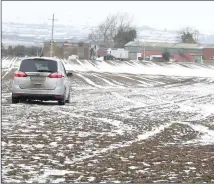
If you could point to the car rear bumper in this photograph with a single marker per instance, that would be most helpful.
(36, 96)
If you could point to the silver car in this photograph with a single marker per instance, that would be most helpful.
(41, 78)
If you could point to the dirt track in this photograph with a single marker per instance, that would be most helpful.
(119, 127)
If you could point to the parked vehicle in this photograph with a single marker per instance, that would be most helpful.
(41, 78)
(120, 54)
(73, 57)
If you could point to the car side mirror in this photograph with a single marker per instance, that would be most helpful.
(69, 74)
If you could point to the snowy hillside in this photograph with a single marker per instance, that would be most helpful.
(13, 33)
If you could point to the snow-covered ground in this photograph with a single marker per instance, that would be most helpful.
(127, 122)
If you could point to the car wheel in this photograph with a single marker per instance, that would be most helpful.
(22, 100)
(68, 100)
(62, 101)
(15, 100)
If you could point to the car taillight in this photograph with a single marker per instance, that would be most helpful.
(20, 74)
(55, 75)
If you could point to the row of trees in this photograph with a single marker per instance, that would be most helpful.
(20, 50)
(188, 35)
(117, 30)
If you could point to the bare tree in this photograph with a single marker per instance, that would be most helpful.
(104, 31)
(122, 22)
(109, 29)
(124, 36)
(196, 35)
(188, 35)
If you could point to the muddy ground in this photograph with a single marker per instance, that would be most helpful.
(117, 128)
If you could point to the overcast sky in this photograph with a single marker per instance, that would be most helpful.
(170, 15)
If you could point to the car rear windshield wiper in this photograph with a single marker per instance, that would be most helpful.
(45, 71)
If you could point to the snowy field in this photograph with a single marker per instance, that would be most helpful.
(127, 122)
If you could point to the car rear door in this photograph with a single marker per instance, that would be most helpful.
(38, 72)
(66, 79)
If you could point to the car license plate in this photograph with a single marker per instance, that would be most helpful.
(37, 78)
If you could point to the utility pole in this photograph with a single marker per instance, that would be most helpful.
(144, 50)
(51, 51)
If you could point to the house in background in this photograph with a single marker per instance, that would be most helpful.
(178, 51)
(208, 51)
(103, 52)
(56, 48)
(187, 52)
(134, 49)
(64, 49)
(154, 50)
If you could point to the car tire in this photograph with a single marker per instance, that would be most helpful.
(68, 100)
(22, 100)
(15, 100)
(61, 101)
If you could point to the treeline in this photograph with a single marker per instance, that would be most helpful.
(117, 30)
(188, 35)
(114, 31)
(20, 50)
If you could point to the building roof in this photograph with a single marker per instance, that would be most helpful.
(188, 46)
(208, 45)
(66, 40)
(102, 49)
(133, 44)
(164, 45)
(57, 40)
(159, 44)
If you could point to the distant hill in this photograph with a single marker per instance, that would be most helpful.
(14, 33)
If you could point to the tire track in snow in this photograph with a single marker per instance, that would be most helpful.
(114, 63)
(142, 137)
(205, 139)
(118, 83)
(151, 84)
(138, 104)
(93, 64)
(120, 127)
(150, 80)
(144, 83)
(129, 64)
(105, 80)
(146, 135)
(90, 66)
(78, 61)
(90, 82)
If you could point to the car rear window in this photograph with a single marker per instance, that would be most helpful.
(38, 65)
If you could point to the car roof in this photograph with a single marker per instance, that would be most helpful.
(45, 58)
